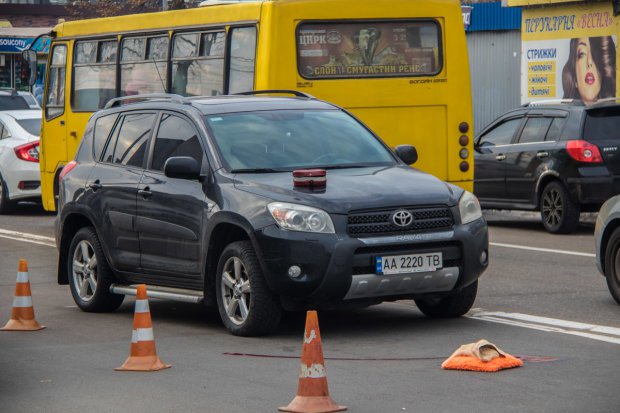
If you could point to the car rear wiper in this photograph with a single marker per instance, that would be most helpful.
(255, 170)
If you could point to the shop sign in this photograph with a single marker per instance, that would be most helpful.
(568, 53)
(466, 12)
(19, 44)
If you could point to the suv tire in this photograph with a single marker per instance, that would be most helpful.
(451, 306)
(6, 205)
(90, 280)
(560, 215)
(612, 265)
(245, 303)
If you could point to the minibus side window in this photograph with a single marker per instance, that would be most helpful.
(143, 65)
(242, 59)
(198, 63)
(94, 69)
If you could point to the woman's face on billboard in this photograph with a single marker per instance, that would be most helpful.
(586, 72)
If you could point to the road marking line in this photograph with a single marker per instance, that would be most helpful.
(523, 247)
(591, 331)
(26, 237)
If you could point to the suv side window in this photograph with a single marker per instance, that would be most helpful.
(535, 130)
(555, 129)
(501, 134)
(130, 140)
(103, 127)
(176, 136)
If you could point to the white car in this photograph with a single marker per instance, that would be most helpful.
(20, 178)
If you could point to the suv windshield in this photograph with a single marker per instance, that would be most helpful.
(290, 139)
(602, 124)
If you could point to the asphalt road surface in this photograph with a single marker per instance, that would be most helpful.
(542, 299)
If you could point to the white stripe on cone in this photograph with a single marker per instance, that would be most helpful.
(22, 301)
(22, 277)
(314, 371)
(142, 334)
(142, 306)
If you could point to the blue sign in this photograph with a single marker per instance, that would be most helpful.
(19, 44)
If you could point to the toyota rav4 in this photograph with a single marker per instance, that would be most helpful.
(258, 203)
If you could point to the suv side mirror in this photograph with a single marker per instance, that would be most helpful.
(28, 73)
(407, 153)
(182, 167)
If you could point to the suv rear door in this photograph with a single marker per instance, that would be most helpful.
(490, 154)
(170, 210)
(531, 151)
(112, 186)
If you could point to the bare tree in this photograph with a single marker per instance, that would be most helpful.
(82, 9)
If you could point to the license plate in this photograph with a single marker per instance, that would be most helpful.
(399, 264)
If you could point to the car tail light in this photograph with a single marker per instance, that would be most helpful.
(583, 151)
(68, 167)
(28, 152)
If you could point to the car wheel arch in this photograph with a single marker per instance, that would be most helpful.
(544, 180)
(609, 229)
(221, 234)
(72, 223)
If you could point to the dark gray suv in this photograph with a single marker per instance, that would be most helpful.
(258, 203)
(558, 157)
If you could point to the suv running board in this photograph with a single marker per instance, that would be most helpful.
(168, 293)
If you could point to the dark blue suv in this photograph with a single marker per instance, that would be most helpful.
(258, 203)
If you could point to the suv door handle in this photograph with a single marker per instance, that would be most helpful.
(542, 154)
(500, 157)
(146, 192)
(95, 186)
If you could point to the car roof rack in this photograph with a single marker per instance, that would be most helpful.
(275, 91)
(146, 97)
(573, 102)
(606, 100)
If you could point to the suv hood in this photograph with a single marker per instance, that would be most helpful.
(355, 188)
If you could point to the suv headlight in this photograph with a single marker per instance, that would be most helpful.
(301, 218)
(469, 208)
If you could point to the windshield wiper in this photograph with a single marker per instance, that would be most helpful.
(255, 170)
(343, 166)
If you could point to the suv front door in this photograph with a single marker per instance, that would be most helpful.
(490, 155)
(170, 210)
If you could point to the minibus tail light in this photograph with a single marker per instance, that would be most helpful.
(583, 151)
(68, 167)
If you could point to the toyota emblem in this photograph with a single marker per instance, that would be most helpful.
(402, 218)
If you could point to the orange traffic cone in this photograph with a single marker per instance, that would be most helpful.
(312, 392)
(22, 315)
(143, 356)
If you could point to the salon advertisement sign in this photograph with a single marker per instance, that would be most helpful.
(569, 52)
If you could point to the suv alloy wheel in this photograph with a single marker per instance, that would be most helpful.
(90, 276)
(245, 304)
(559, 213)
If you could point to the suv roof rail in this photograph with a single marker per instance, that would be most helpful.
(574, 102)
(274, 91)
(149, 96)
(607, 100)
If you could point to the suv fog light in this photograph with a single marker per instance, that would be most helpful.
(294, 271)
(483, 258)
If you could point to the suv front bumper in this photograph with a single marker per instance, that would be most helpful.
(336, 267)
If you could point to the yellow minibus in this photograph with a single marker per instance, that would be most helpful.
(400, 66)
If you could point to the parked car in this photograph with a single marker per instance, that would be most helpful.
(258, 203)
(607, 243)
(30, 99)
(559, 157)
(20, 178)
(13, 100)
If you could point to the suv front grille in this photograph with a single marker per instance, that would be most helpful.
(378, 222)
